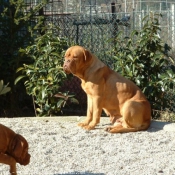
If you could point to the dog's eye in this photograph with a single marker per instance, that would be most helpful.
(67, 61)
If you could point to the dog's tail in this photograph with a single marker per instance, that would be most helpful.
(121, 129)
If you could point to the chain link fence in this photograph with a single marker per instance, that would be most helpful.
(94, 23)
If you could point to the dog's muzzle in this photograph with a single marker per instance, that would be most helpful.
(24, 161)
(66, 66)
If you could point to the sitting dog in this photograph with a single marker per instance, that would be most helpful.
(121, 99)
(13, 149)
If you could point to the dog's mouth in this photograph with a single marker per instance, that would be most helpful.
(24, 161)
(67, 66)
(66, 70)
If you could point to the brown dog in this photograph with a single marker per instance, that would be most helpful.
(13, 149)
(120, 98)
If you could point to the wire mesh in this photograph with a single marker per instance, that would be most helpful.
(93, 23)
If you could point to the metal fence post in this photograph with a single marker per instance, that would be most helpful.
(115, 27)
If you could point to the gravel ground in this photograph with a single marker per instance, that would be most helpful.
(58, 146)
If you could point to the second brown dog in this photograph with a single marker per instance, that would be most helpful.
(13, 149)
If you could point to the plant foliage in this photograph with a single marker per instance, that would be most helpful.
(19, 24)
(143, 58)
(46, 76)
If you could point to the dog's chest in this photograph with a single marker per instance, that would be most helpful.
(88, 87)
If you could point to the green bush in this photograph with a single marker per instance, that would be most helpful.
(46, 76)
(143, 58)
(18, 26)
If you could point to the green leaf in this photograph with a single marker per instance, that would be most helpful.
(55, 54)
(19, 69)
(138, 82)
(131, 58)
(127, 68)
(170, 73)
(19, 78)
(1, 85)
(46, 107)
(5, 90)
(43, 92)
(74, 100)
(59, 103)
(39, 110)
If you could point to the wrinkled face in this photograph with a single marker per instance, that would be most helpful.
(76, 58)
(20, 150)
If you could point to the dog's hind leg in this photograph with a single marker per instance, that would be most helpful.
(134, 118)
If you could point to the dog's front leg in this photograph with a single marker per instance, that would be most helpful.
(8, 160)
(88, 119)
(96, 109)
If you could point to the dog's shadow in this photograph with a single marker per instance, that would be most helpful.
(154, 127)
(159, 125)
(81, 173)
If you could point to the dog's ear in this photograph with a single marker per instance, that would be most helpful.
(17, 146)
(87, 55)
(18, 149)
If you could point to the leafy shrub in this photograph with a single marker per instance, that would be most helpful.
(144, 59)
(18, 26)
(45, 76)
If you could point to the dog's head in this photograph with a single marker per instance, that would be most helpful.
(76, 60)
(19, 150)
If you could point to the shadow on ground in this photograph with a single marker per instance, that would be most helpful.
(159, 125)
(80, 173)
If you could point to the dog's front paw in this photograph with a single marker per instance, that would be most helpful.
(89, 127)
(82, 124)
(13, 173)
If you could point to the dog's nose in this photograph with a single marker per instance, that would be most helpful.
(26, 161)
(64, 66)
